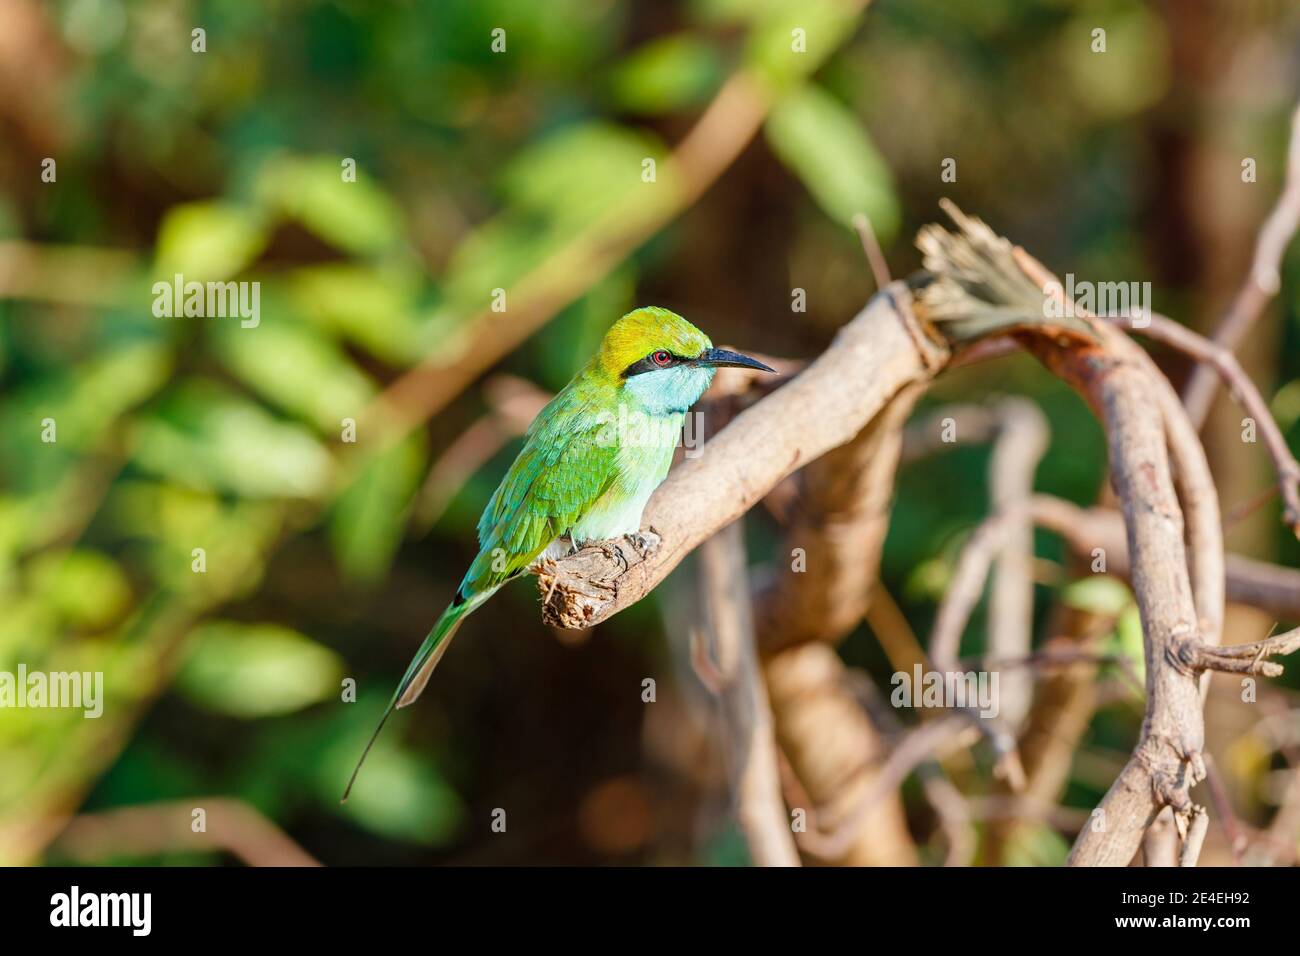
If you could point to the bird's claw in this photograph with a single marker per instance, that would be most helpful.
(645, 542)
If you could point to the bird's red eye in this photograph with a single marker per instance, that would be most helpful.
(660, 358)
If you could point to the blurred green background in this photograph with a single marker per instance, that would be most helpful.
(479, 170)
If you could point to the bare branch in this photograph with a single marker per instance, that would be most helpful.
(1260, 584)
(1244, 658)
(149, 829)
(871, 247)
(1196, 830)
(1020, 430)
(1225, 364)
(929, 740)
(1160, 842)
(838, 756)
(1123, 391)
(1021, 443)
(1261, 285)
(1191, 470)
(515, 403)
(831, 553)
(748, 716)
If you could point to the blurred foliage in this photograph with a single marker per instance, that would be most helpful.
(195, 442)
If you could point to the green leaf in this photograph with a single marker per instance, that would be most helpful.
(1128, 632)
(828, 149)
(369, 517)
(554, 188)
(288, 363)
(87, 399)
(208, 241)
(666, 74)
(207, 438)
(84, 401)
(400, 794)
(792, 38)
(86, 588)
(929, 580)
(169, 520)
(400, 797)
(493, 256)
(257, 670)
(1131, 75)
(1099, 594)
(1036, 844)
(1286, 405)
(372, 306)
(576, 174)
(357, 217)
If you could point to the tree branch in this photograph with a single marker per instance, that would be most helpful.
(979, 268)
(1261, 285)
(1225, 364)
(747, 713)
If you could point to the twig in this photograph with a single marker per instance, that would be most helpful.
(971, 423)
(1225, 364)
(748, 715)
(1196, 830)
(1244, 509)
(1021, 432)
(1160, 842)
(1260, 584)
(1242, 658)
(838, 526)
(1167, 758)
(515, 403)
(1223, 810)
(1261, 285)
(893, 631)
(148, 830)
(1122, 390)
(1021, 443)
(702, 663)
(1050, 658)
(954, 813)
(1021, 438)
(1191, 470)
(871, 246)
(966, 585)
(929, 739)
(838, 755)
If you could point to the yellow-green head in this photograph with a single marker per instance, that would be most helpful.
(661, 361)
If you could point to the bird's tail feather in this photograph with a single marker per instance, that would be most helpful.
(421, 667)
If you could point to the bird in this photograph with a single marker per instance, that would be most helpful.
(590, 461)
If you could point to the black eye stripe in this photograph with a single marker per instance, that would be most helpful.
(648, 364)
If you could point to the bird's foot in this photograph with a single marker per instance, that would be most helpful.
(645, 542)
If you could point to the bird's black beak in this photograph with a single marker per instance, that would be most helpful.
(716, 358)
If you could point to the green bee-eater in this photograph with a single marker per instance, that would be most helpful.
(590, 461)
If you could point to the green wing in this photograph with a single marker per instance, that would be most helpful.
(568, 461)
